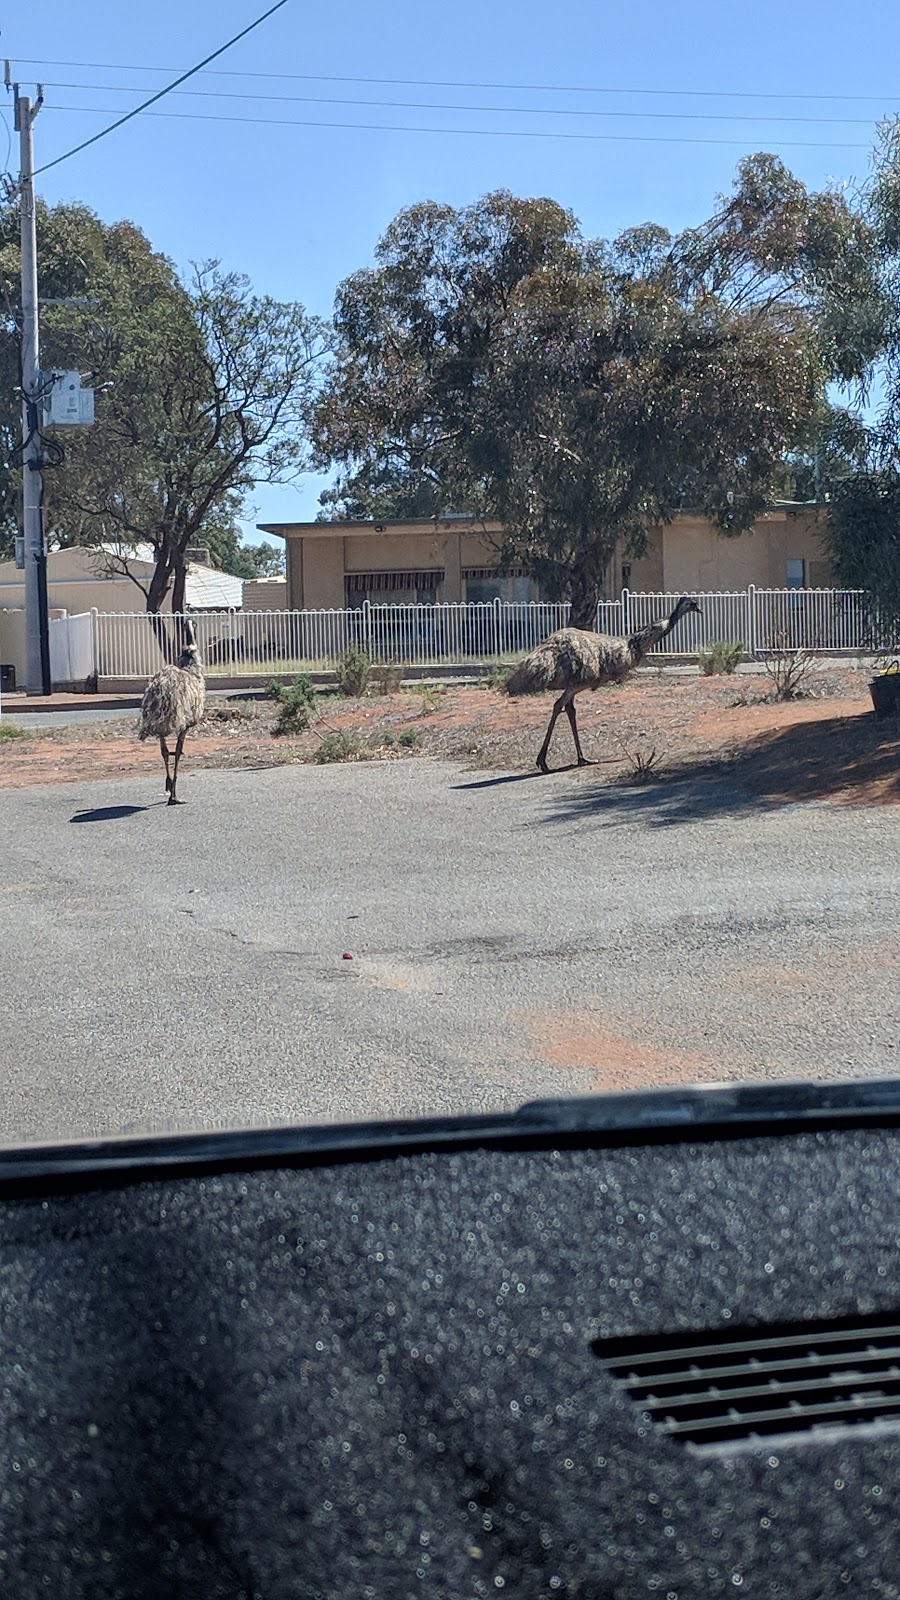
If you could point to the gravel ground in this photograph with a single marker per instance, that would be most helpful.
(510, 938)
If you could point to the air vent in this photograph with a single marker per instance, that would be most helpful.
(747, 1383)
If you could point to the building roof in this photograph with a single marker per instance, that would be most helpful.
(460, 519)
(325, 530)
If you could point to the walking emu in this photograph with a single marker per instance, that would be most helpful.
(173, 704)
(574, 660)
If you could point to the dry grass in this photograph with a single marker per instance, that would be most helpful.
(828, 745)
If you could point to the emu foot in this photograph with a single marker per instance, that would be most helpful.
(173, 801)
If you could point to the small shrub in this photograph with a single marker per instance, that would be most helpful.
(8, 730)
(496, 678)
(341, 746)
(353, 672)
(388, 739)
(432, 699)
(786, 667)
(296, 703)
(410, 739)
(720, 657)
(386, 679)
(644, 763)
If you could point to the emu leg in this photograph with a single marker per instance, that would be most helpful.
(172, 799)
(562, 704)
(570, 713)
(165, 755)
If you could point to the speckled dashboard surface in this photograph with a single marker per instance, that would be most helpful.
(376, 1379)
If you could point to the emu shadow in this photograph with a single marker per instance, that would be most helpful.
(854, 759)
(107, 813)
(510, 777)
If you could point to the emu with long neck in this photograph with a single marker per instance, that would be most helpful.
(574, 659)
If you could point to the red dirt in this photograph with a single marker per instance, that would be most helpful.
(587, 1039)
(827, 747)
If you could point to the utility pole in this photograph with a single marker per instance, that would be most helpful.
(37, 626)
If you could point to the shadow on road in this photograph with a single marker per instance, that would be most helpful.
(854, 758)
(510, 777)
(109, 813)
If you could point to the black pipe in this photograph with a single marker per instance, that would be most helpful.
(40, 557)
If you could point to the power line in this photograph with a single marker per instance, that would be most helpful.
(427, 105)
(168, 90)
(487, 133)
(447, 83)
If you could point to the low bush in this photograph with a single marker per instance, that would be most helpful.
(720, 657)
(341, 746)
(296, 703)
(353, 672)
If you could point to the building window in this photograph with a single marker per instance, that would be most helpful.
(796, 574)
(483, 585)
(392, 588)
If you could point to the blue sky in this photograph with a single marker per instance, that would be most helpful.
(298, 207)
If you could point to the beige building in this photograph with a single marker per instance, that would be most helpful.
(333, 565)
(81, 580)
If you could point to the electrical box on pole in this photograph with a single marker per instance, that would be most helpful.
(65, 402)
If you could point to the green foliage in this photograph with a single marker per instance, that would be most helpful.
(274, 689)
(580, 393)
(341, 746)
(863, 540)
(296, 702)
(242, 560)
(202, 390)
(432, 699)
(720, 657)
(352, 673)
(8, 730)
(410, 739)
(496, 678)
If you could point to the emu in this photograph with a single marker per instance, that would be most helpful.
(173, 704)
(574, 660)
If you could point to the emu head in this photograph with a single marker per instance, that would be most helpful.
(685, 604)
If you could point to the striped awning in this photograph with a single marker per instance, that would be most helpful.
(391, 581)
(477, 573)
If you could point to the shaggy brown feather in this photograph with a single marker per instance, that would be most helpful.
(574, 659)
(173, 704)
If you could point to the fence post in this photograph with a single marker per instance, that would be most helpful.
(626, 613)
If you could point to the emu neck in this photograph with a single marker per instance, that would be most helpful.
(640, 644)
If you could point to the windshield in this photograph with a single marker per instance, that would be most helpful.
(446, 632)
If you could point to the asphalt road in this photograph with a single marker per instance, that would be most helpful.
(510, 940)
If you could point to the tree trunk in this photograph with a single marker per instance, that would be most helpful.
(178, 603)
(156, 594)
(587, 586)
(585, 589)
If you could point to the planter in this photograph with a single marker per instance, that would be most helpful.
(885, 692)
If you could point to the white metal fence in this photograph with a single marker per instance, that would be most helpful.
(812, 619)
(264, 643)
